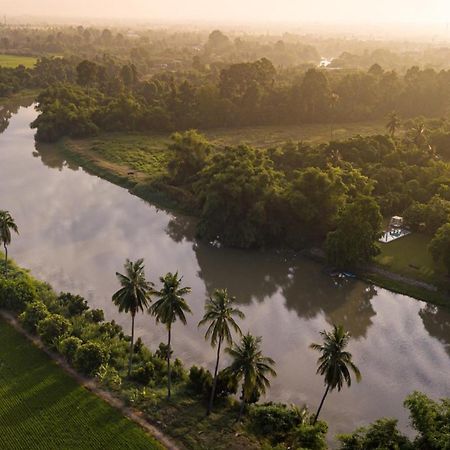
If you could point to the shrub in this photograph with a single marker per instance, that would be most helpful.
(35, 311)
(143, 374)
(73, 304)
(69, 346)
(16, 293)
(95, 315)
(200, 380)
(311, 437)
(53, 327)
(274, 420)
(89, 357)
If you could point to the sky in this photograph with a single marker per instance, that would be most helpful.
(239, 11)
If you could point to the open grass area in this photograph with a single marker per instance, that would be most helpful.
(17, 60)
(41, 407)
(409, 256)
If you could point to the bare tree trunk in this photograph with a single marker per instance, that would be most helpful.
(168, 364)
(321, 404)
(132, 345)
(214, 385)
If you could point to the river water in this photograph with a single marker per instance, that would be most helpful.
(76, 230)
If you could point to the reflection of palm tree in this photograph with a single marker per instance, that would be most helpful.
(335, 364)
(250, 366)
(393, 123)
(219, 314)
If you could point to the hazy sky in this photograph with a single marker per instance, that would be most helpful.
(242, 11)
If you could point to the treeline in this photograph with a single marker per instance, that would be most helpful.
(108, 96)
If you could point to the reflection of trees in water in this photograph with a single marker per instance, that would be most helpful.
(307, 291)
(437, 322)
(10, 108)
(349, 303)
(181, 228)
(52, 157)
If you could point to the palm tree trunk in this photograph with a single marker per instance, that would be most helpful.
(241, 409)
(168, 364)
(321, 404)
(213, 390)
(6, 260)
(132, 345)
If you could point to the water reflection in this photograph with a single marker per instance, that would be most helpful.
(77, 230)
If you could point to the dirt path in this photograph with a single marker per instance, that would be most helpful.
(92, 386)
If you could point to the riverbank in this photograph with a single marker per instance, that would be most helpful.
(139, 164)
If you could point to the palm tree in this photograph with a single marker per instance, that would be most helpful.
(250, 366)
(133, 296)
(6, 225)
(393, 123)
(418, 133)
(170, 306)
(219, 313)
(334, 363)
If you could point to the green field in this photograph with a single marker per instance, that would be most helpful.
(409, 256)
(17, 60)
(41, 407)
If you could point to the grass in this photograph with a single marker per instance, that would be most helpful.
(13, 61)
(409, 256)
(42, 407)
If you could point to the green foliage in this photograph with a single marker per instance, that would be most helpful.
(311, 437)
(89, 357)
(35, 311)
(143, 374)
(275, 421)
(440, 245)
(69, 346)
(53, 327)
(382, 434)
(74, 305)
(234, 191)
(354, 240)
(16, 293)
(431, 420)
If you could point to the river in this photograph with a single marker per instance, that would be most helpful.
(76, 230)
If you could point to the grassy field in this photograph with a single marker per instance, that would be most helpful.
(41, 407)
(17, 60)
(409, 256)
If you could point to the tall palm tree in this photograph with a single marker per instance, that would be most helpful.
(335, 363)
(6, 225)
(393, 123)
(220, 313)
(250, 366)
(169, 307)
(133, 296)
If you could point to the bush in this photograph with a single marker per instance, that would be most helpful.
(34, 313)
(144, 374)
(15, 294)
(52, 328)
(69, 346)
(200, 380)
(383, 434)
(89, 357)
(73, 304)
(311, 437)
(274, 420)
(95, 315)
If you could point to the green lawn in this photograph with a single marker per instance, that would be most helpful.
(409, 256)
(17, 60)
(41, 407)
